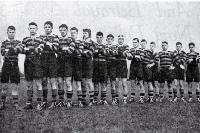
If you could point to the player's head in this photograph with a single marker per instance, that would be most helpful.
(86, 33)
(110, 38)
(48, 26)
(164, 45)
(63, 30)
(178, 46)
(152, 46)
(74, 32)
(32, 27)
(120, 39)
(143, 43)
(191, 46)
(11, 32)
(135, 42)
(99, 37)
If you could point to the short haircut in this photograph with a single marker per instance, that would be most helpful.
(88, 31)
(32, 23)
(191, 44)
(49, 23)
(63, 26)
(110, 35)
(165, 42)
(178, 43)
(136, 39)
(99, 33)
(11, 28)
(120, 36)
(153, 43)
(74, 28)
(143, 40)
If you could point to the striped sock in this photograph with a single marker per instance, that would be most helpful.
(103, 95)
(161, 95)
(91, 93)
(132, 94)
(182, 93)
(30, 96)
(61, 94)
(69, 96)
(39, 96)
(45, 94)
(84, 97)
(142, 95)
(79, 94)
(96, 94)
(198, 94)
(190, 94)
(15, 99)
(170, 94)
(54, 95)
(117, 97)
(113, 94)
(125, 96)
(175, 92)
(150, 93)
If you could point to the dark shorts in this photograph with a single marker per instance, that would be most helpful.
(111, 69)
(192, 74)
(179, 73)
(121, 69)
(136, 71)
(155, 73)
(49, 65)
(10, 72)
(166, 75)
(87, 68)
(148, 74)
(77, 69)
(99, 71)
(64, 66)
(32, 68)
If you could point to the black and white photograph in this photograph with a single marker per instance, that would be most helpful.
(83, 66)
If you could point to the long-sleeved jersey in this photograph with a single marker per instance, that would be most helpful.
(195, 56)
(66, 46)
(100, 51)
(10, 50)
(179, 58)
(53, 39)
(122, 51)
(35, 46)
(78, 48)
(88, 48)
(112, 51)
(165, 58)
(149, 57)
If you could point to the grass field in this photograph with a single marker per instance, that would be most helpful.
(131, 118)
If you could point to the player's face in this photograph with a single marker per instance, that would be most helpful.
(135, 43)
(11, 33)
(85, 35)
(120, 41)
(74, 34)
(164, 46)
(99, 39)
(47, 29)
(152, 47)
(143, 45)
(192, 48)
(32, 29)
(63, 31)
(110, 40)
(178, 47)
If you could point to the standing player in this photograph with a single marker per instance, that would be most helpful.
(87, 66)
(49, 63)
(121, 69)
(77, 64)
(32, 47)
(192, 73)
(165, 58)
(179, 71)
(111, 66)
(10, 49)
(65, 54)
(100, 69)
(149, 69)
(136, 73)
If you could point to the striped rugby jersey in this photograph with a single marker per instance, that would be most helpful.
(195, 56)
(112, 51)
(51, 39)
(149, 57)
(179, 58)
(66, 42)
(88, 48)
(78, 48)
(32, 43)
(165, 58)
(10, 50)
(122, 50)
(100, 51)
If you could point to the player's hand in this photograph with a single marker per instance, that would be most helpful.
(137, 57)
(171, 67)
(150, 65)
(96, 50)
(6, 50)
(49, 44)
(26, 49)
(190, 60)
(65, 48)
(182, 67)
